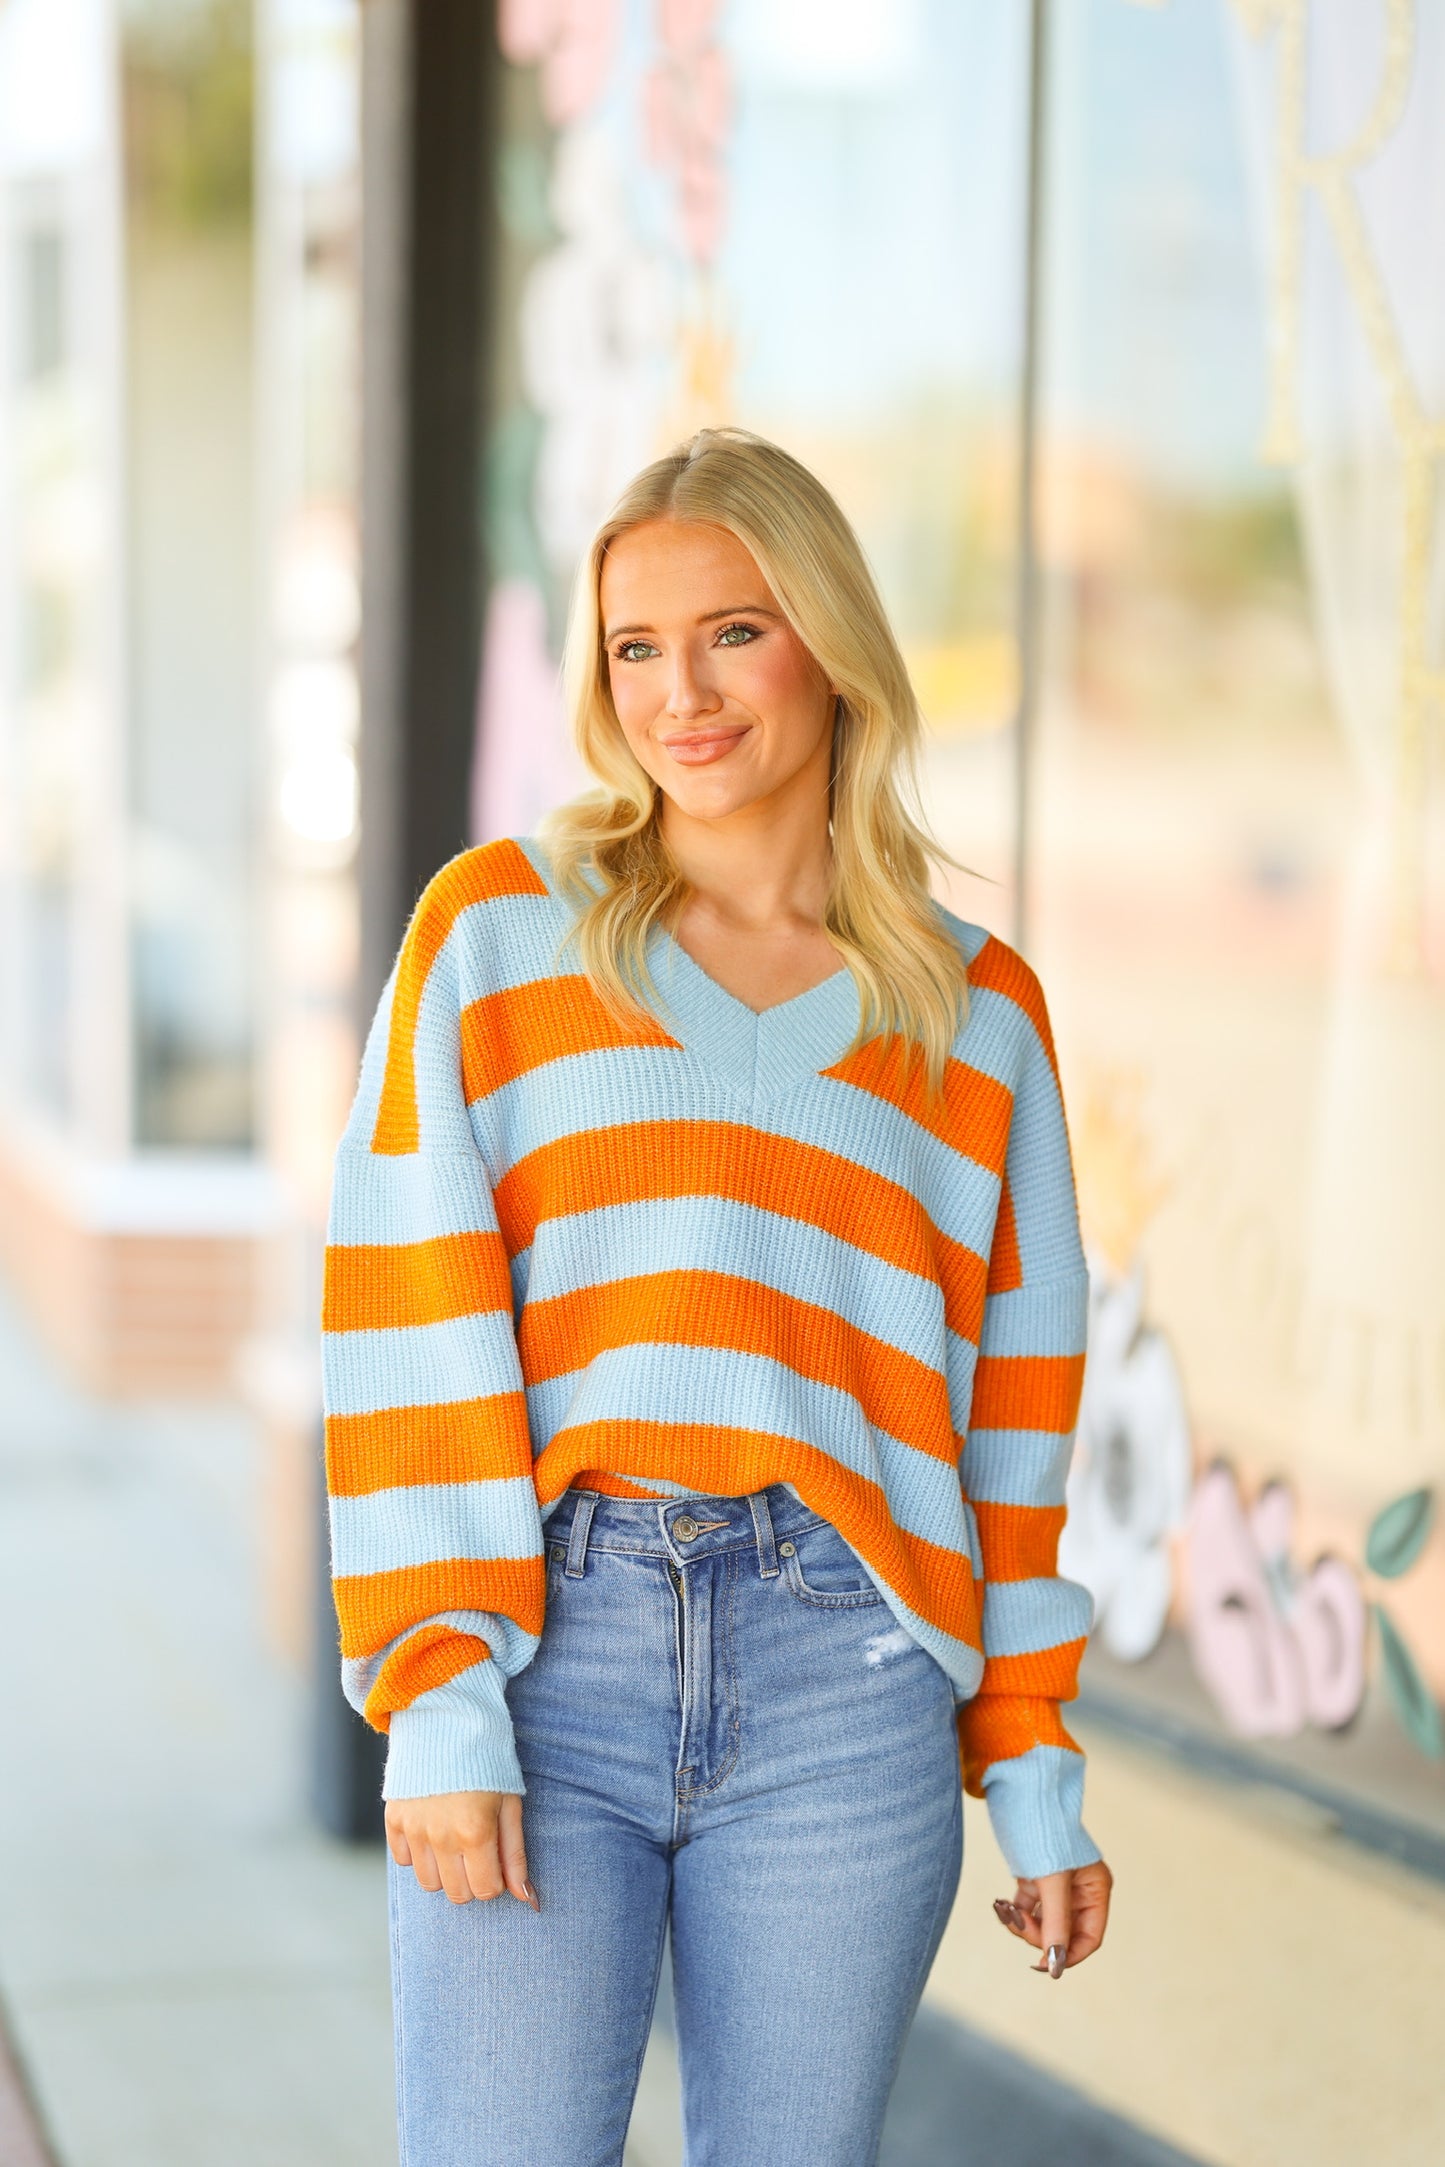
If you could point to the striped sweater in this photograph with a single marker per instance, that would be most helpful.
(694, 1256)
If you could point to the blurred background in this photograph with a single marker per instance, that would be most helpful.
(328, 329)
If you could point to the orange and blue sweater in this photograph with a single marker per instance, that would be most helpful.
(696, 1255)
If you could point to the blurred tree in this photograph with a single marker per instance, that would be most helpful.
(189, 79)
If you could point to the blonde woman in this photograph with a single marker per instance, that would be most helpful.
(704, 1335)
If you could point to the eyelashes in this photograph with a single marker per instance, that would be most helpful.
(624, 653)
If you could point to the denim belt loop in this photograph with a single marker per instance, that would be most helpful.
(763, 1527)
(581, 1525)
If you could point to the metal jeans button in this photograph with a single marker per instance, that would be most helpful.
(684, 1527)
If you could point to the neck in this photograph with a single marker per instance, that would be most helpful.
(764, 867)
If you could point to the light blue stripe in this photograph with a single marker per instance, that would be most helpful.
(1017, 1467)
(610, 1086)
(1023, 1617)
(419, 1365)
(507, 942)
(718, 1386)
(998, 1039)
(960, 1365)
(1051, 1318)
(1040, 1180)
(379, 1198)
(1035, 1805)
(361, 1120)
(424, 1523)
(671, 1234)
(971, 938)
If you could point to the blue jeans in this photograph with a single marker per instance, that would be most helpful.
(725, 1731)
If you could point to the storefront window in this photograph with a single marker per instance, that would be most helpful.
(53, 646)
(191, 605)
(1234, 903)
(792, 215)
(310, 201)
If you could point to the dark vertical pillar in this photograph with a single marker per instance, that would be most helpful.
(1030, 615)
(430, 75)
(429, 78)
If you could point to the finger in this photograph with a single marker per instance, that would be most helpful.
(513, 1851)
(1024, 1910)
(452, 1867)
(424, 1866)
(398, 1846)
(1014, 1917)
(1091, 1912)
(1056, 1921)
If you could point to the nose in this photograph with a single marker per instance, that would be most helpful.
(690, 694)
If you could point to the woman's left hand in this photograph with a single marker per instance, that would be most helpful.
(1062, 1915)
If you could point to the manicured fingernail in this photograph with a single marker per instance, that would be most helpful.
(1004, 1911)
(1058, 1956)
(531, 1895)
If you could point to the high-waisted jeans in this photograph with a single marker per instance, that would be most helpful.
(726, 1731)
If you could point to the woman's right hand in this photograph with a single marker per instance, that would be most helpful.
(468, 1843)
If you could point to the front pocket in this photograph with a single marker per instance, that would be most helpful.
(822, 1569)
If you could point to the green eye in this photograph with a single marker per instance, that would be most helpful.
(748, 633)
(627, 651)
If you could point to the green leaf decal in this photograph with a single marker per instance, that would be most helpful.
(1415, 1704)
(1397, 1535)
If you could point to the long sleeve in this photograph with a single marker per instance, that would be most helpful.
(1015, 1749)
(436, 1534)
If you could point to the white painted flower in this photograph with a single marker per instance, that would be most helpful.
(1129, 1481)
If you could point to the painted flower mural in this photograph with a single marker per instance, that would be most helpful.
(1277, 1648)
(1129, 1481)
(1280, 1646)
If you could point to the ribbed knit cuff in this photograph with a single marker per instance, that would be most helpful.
(456, 1738)
(1035, 1803)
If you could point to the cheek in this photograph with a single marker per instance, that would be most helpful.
(781, 683)
(631, 697)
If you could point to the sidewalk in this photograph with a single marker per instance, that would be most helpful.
(190, 1974)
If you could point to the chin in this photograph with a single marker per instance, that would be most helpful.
(714, 804)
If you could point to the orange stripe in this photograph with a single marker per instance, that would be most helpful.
(476, 1440)
(1052, 1673)
(375, 1607)
(375, 1287)
(507, 1034)
(477, 876)
(675, 1308)
(636, 1162)
(1002, 969)
(992, 1730)
(1005, 1265)
(1020, 1542)
(972, 1105)
(616, 1486)
(714, 1461)
(1027, 1392)
(431, 1657)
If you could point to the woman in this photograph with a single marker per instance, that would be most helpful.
(704, 1215)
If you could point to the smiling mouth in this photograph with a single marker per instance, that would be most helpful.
(695, 748)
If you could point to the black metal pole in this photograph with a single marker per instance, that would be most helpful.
(1029, 627)
(430, 74)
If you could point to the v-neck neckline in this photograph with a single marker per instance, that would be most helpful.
(757, 1052)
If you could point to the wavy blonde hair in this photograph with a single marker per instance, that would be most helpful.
(607, 845)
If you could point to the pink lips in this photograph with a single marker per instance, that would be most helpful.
(698, 747)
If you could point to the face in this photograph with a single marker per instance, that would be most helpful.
(717, 696)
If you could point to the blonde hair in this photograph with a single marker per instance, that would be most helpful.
(607, 845)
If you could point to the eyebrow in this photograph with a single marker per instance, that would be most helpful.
(739, 609)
